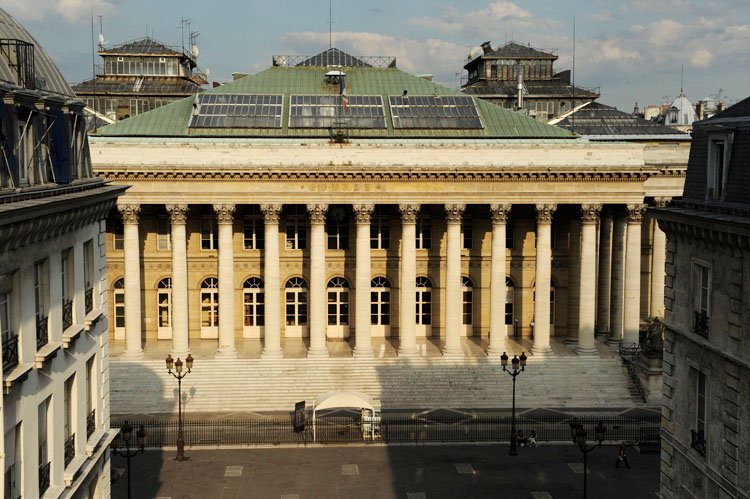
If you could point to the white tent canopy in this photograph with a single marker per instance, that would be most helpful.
(342, 400)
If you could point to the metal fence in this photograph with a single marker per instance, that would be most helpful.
(391, 430)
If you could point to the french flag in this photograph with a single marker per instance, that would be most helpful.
(342, 92)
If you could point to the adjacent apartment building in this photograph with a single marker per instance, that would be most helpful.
(706, 446)
(53, 291)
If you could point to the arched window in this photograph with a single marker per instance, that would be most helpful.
(164, 308)
(119, 301)
(424, 304)
(380, 302)
(467, 292)
(253, 307)
(338, 302)
(509, 295)
(296, 302)
(210, 308)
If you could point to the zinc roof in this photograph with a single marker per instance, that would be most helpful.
(596, 119)
(172, 120)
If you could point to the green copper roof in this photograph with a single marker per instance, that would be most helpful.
(172, 120)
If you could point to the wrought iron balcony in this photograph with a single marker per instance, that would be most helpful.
(43, 478)
(67, 311)
(42, 338)
(10, 351)
(89, 300)
(701, 324)
(70, 449)
(90, 423)
(698, 442)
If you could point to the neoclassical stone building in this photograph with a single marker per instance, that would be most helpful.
(269, 208)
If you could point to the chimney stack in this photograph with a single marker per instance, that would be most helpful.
(700, 109)
(486, 47)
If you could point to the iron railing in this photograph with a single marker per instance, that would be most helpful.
(67, 314)
(391, 430)
(42, 338)
(89, 300)
(701, 324)
(43, 478)
(10, 351)
(70, 449)
(19, 56)
(698, 442)
(90, 423)
(375, 61)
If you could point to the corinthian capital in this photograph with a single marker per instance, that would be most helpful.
(590, 213)
(317, 213)
(635, 213)
(224, 213)
(409, 213)
(662, 202)
(544, 213)
(453, 213)
(177, 213)
(363, 212)
(271, 212)
(130, 212)
(500, 213)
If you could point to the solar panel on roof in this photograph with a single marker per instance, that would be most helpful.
(324, 111)
(237, 111)
(429, 111)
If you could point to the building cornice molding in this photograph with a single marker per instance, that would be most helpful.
(711, 232)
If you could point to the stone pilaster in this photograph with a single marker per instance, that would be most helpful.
(498, 331)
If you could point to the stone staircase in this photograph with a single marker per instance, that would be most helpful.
(254, 385)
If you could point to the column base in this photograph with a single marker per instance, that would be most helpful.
(570, 341)
(586, 350)
(541, 350)
(314, 353)
(453, 352)
(601, 334)
(132, 354)
(180, 354)
(226, 353)
(363, 352)
(408, 351)
(275, 353)
(493, 351)
(614, 342)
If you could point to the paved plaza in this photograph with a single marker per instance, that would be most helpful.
(424, 472)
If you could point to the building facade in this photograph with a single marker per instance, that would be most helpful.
(53, 285)
(705, 444)
(409, 211)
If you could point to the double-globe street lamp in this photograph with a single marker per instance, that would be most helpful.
(518, 365)
(126, 432)
(579, 434)
(177, 366)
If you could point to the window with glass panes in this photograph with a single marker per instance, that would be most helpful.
(253, 232)
(424, 301)
(508, 301)
(253, 300)
(509, 235)
(210, 302)
(467, 234)
(163, 236)
(296, 302)
(118, 234)
(467, 291)
(296, 232)
(380, 232)
(209, 233)
(66, 275)
(164, 302)
(702, 288)
(337, 230)
(424, 232)
(700, 403)
(119, 296)
(40, 291)
(380, 302)
(338, 302)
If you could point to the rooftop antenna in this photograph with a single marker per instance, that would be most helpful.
(682, 76)
(330, 24)
(573, 75)
(101, 34)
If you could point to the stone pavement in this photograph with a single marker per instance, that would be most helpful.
(424, 472)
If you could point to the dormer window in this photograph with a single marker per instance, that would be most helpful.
(719, 152)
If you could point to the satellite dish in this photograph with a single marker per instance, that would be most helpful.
(101, 40)
(281, 61)
(194, 52)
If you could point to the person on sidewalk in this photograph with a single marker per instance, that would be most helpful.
(532, 438)
(622, 456)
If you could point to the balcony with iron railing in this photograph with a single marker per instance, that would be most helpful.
(42, 337)
(90, 423)
(89, 300)
(67, 314)
(43, 478)
(10, 351)
(698, 442)
(70, 449)
(701, 324)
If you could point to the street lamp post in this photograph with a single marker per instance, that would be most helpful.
(513, 372)
(126, 431)
(177, 365)
(579, 434)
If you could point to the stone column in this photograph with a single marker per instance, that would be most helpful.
(130, 212)
(408, 285)
(574, 281)
(225, 216)
(587, 293)
(657, 265)
(603, 287)
(617, 295)
(180, 325)
(500, 213)
(272, 289)
(632, 307)
(317, 308)
(453, 299)
(363, 338)
(544, 213)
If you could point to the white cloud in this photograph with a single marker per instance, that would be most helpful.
(69, 10)
(702, 58)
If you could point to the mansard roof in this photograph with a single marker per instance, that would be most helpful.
(514, 49)
(142, 46)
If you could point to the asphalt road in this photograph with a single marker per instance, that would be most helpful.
(383, 472)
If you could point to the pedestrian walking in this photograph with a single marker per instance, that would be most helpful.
(622, 456)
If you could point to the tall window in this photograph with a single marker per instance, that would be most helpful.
(90, 393)
(119, 300)
(209, 233)
(380, 302)
(509, 235)
(296, 231)
(24, 139)
(254, 231)
(337, 229)
(468, 234)
(43, 413)
(424, 301)
(69, 427)
(509, 294)
(253, 299)
(41, 303)
(467, 291)
(13, 462)
(88, 274)
(66, 276)
(163, 236)
(424, 232)
(118, 234)
(338, 302)
(164, 302)
(702, 288)
(9, 338)
(210, 303)
(700, 403)
(380, 231)
(296, 302)
(718, 155)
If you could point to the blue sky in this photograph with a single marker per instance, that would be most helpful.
(633, 49)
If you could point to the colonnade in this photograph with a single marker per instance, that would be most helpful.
(615, 287)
